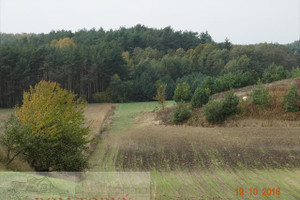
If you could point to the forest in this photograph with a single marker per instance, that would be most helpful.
(125, 65)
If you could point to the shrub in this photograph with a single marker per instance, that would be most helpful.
(101, 97)
(217, 111)
(182, 92)
(181, 114)
(200, 97)
(161, 93)
(260, 97)
(213, 111)
(230, 104)
(291, 100)
(96, 97)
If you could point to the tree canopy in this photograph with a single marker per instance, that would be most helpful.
(86, 61)
(49, 129)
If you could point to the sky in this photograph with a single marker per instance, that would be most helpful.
(242, 21)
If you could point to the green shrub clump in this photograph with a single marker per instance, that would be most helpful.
(101, 97)
(230, 104)
(217, 111)
(200, 97)
(182, 92)
(291, 100)
(181, 114)
(260, 96)
(213, 111)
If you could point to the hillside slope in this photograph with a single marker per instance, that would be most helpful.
(246, 91)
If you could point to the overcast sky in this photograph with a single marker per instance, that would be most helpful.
(242, 21)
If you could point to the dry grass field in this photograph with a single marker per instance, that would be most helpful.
(246, 91)
(200, 163)
(192, 162)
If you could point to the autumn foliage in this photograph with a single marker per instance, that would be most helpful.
(48, 109)
(56, 137)
(65, 42)
(161, 94)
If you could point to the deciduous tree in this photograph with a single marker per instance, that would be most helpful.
(161, 93)
(55, 119)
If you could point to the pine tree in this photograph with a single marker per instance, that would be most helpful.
(291, 100)
(260, 96)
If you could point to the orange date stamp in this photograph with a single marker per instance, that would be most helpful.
(258, 192)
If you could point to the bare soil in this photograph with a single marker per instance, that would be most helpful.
(95, 114)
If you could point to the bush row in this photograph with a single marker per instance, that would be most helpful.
(216, 111)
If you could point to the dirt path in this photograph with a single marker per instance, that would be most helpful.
(95, 114)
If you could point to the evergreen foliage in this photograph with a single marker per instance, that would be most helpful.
(200, 97)
(230, 103)
(217, 111)
(181, 114)
(213, 112)
(182, 92)
(86, 61)
(260, 96)
(291, 100)
(274, 73)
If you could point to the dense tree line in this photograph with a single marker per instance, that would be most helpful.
(124, 65)
(295, 46)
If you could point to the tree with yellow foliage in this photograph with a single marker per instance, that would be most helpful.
(57, 136)
(161, 93)
(65, 42)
